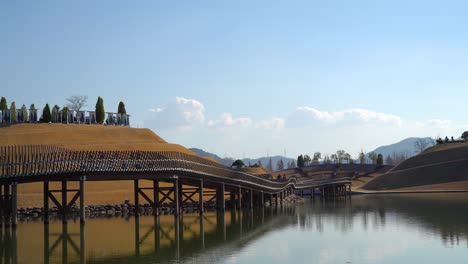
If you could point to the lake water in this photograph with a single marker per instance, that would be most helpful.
(423, 228)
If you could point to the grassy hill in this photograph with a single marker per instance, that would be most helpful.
(442, 167)
(85, 137)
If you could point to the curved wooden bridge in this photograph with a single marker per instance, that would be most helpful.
(190, 176)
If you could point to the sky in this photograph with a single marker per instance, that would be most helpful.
(248, 78)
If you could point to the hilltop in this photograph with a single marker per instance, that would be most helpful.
(441, 167)
(87, 137)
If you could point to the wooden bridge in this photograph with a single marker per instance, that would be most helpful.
(188, 176)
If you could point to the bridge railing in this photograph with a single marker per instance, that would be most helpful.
(40, 160)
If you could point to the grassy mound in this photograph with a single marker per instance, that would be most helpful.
(440, 167)
(87, 137)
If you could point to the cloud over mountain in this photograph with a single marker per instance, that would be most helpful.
(307, 116)
(304, 130)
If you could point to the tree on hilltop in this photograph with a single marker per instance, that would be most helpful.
(46, 116)
(316, 159)
(270, 166)
(362, 157)
(307, 160)
(238, 164)
(76, 102)
(292, 165)
(379, 159)
(300, 161)
(100, 114)
(421, 144)
(3, 104)
(465, 135)
(24, 110)
(280, 165)
(13, 116)
(121, 108)
(372, 156)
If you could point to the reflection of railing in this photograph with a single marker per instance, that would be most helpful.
(29, 161)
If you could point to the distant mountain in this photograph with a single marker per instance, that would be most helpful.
(225, 161)
(228, 161)
(406, 147)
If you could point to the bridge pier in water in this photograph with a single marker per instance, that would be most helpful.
(335, 191)
(64, 206)
(8, 204)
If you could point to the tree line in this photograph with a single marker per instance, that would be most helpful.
(75, 102)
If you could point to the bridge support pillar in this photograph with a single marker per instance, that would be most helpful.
(7, 204)
(64, 202)
(239, 198)
(82, 203)
(262, 199)
(251, 199)
(155, 197)
(220, 200)
(232, 198)
(276, 199)
(201, 206)
(14, 204)
(46, 202)
(2, 206)
(136, 190)
(63, 206)
(176, 196)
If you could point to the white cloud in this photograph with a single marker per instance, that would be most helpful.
(273, 123)
(438, 123)
(181, 113)
(156, 110)
(227, 120)
(306, 116)
(192, 110)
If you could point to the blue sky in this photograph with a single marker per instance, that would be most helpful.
(247, 78)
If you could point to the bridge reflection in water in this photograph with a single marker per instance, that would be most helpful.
(421, 220)
(119, 240)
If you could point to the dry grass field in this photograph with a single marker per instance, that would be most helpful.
(440, 168)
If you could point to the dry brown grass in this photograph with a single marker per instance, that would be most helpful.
(443, 166)
(254, 170)
(87, 137)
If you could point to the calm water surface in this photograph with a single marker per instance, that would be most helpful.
(366, 229)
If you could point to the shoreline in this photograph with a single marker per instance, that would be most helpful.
(356, 192)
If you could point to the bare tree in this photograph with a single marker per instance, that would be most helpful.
(307, 160)
(316, 158)
(362, 157)
(421, 144)
(372, 156)
(76, 102)
(280, 165)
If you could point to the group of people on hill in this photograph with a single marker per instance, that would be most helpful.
(281, 178)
